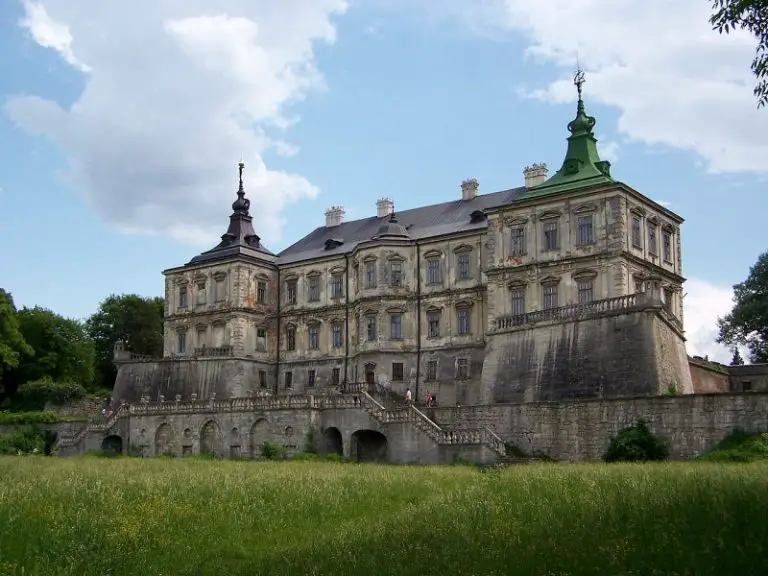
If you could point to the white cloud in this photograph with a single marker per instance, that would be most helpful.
(675, 81)
(608, 150)
(702, 305)
(177, 92)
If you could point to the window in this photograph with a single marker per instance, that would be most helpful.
(201, 336)
(263, 378)
(551, 240)
(261, 292)
(314, 336)
(396, 273)
(292, 287)
(289, 379)
(183, 296)
(586, 233)
(337, 286)
(182, 342)
(746, 386)
(462, 316)
(338, 340)
(219, 288)
(433, 323)
(370, 325)
(397, 371)
(261, 339)
(653, 249)
(314, 288)
(585, 291)
(550, 296)
(396, 326)
(668, 299)
(517, 246)
(311, 378)
(290, 337)
(200, 296)
(518, 301)
(667, 246)
(462, 264)
(637, 241)
(638, 286)
(434, 273)
(335, 376)
(432, 370)
(370, 274)
(462, 368)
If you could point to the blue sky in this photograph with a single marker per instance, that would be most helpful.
(121, 126)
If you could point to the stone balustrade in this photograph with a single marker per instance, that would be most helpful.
(214, 352)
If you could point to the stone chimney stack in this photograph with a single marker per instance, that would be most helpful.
(334, 216)
(535, 174)
(469, 189)
(384, 207)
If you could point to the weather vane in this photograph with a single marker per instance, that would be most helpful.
(579, 78)
(240, 166)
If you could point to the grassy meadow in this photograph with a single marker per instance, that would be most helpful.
(96, 516)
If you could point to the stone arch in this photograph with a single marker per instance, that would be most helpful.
(368, 446)
(210, 438)
(332, 441)
(164, 440)
(258, 435)
(112, 445)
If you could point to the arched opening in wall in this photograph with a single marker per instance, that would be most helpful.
(164, 440)
(258, 435)
(370, 376)
(368, 446)
(112, 445)
(332, 442)
(210, 439)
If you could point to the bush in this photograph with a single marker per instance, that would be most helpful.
(27, 440)
(739, 446)
(34, 395)
(15, 418)
(270, 451)
(636, 444)
(310, 441)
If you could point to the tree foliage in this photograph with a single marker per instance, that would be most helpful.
(12, 342)
(736, 359)
(752, 16)
(747, 323)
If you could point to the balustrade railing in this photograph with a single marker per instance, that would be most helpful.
(570, 312)
(213, 352)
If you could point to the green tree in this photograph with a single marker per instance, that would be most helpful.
(752, 16)
(63, 351)
(736, 360)
(12, 342)
(747, 322)
(135, 320)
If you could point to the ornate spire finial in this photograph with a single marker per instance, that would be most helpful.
(579, 78)
(241, 167)
(242, 203)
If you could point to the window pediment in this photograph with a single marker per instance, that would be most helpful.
(218, 276)
(587, 208)
(199, 278)
(434, 309)
(337, 270)
(370, 258)
(464, 304)
(313, 274)
(517, 284)
(430, 254)
(585, 274)
(290, 326)
(219, 323)
(396, 310)
(201, 327)
(550, 280)
(370, 312)
(336, 320)
(396, 258)
(638, 211)
(313, 322)
(667, 227)
(653, 220)
(516, 221)
(462, 249)
(291, 277)
(181, 281)
(550, 215)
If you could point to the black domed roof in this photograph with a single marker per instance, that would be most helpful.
(392, 229)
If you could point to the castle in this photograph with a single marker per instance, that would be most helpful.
(561, 293)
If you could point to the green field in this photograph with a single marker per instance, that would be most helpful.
(96, 516)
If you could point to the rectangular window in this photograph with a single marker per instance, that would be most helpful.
(551, 236)
(338, 340)
(396, 327)
(462, 368)
(182, 342)
(517, 245)
(314, 337)
(434, 273)
(396, 273)
(182, 296)
(261, 339)
(433, 323)
(462, 264)
(220, 291)
(200, 294)
(289, 379)
(337, 286)
(653, 249)
(290, 337)
(462, 316)
(262, 378)
(201, 337)
(397, 371)
(586, 232)
(518, 301)
(314, 288)
(637, 240)
(370, 275)
(667, 246)
(550, 296)
(335, 376)
(432, 370)
(370, 325)
(311, 378)
(292, 289)
(585, 291)
(261, 293)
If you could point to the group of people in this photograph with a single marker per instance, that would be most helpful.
(429, 398)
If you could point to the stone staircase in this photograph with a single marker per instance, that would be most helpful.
(71, 441)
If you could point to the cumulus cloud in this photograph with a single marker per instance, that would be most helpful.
(175, 92)
(674, 80)
(703, 304)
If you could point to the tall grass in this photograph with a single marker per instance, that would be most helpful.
(89, 516)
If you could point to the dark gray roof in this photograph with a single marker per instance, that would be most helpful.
(420, 223)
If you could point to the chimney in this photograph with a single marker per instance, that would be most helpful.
(334, 216)
(535, 174)
(384, 207)
(469, 189)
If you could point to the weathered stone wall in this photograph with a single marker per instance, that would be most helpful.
(749, 378)
(86, 407)
(581, 430)
(708, 377)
